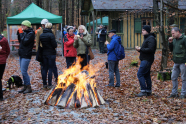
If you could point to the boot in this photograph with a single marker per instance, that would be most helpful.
(141, 94)
(22, 90)
(28, 89)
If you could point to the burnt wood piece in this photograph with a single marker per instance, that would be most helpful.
(45, 100)
(62, 102)
(91, 96)
(55, 96)
(101, 100)
(83, 102)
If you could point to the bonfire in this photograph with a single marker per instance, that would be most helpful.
(76, 88)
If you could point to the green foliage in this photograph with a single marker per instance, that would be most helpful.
(164, 76)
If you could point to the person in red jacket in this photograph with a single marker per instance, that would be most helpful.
(4, 52)
(69, 50)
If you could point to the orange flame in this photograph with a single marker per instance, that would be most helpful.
(75, 75)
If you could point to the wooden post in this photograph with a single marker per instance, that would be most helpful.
(93, 18)
(89, 22)
(96, 28)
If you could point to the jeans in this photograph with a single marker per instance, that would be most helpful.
(70, 61)
(24, 63)
(48, 66)
(101, 46)
(177, 68)
(113, 68)
(144, 76)
(2, 68)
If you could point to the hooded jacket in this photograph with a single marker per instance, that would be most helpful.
(69, 50)
(113, 47)
(26, 43)
(48, 41)
(148, 48)
(5, 49)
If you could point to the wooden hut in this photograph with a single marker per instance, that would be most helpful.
(128, 18)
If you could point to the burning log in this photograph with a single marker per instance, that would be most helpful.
(55, 96)
(47, 97)
(101, 100)
(62, 102)
(83, 103)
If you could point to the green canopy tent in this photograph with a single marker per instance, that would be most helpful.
(104, 21)
(34, 14)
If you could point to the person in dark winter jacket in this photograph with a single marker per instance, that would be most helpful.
(69, 51)
(101, 37)
(25, 53)
(4, 52)
(49, 44)
(177, 44)
(113, 62)
(147, 51)
(39, 32)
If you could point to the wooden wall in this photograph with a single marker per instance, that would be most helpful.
(131, 39)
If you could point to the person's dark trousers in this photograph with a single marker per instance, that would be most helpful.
(144, 76)
(48, 66)
(85, 60)
(70, 61)
(101, 46)
(55, 72)
(113, 68)
(2, 68)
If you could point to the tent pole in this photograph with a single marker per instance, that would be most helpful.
(61, 39)
(8, 34)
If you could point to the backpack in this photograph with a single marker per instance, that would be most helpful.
(121, 52)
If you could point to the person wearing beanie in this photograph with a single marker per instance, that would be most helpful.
(25, 53)
(39, 32)
(147, 51)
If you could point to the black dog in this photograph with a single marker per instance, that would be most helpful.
(14, 80)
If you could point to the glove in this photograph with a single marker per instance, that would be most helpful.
(20, 30)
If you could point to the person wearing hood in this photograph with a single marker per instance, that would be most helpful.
(49, 44)
(113, 62)
(25, 53)
(4, 52)
(147, 51)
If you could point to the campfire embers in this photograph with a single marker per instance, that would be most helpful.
(77, 89)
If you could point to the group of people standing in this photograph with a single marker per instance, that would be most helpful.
(77, 44)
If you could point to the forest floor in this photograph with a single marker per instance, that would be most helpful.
(121, 104)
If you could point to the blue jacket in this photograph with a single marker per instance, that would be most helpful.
(113, 46)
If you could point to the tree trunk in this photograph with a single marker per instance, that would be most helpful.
(66, 13)
(162, 37)
(63, 12)
(39, 3)
(60, 11)
(70, 12)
